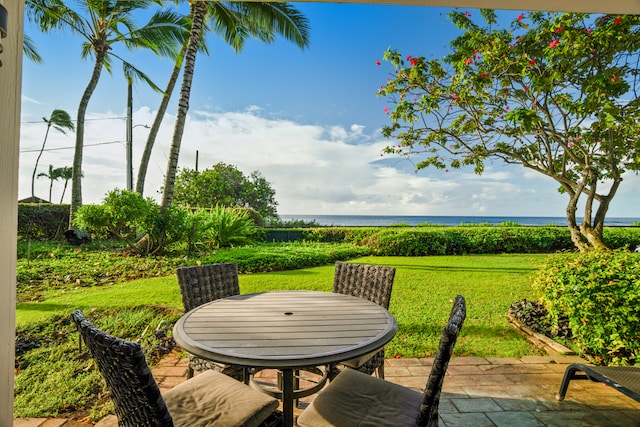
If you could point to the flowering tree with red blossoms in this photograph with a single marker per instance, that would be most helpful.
(555, 93)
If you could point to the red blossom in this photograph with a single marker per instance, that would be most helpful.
(386, 110)
(484, 75)
(559, 29)
(554, 43)
(519, 18)
(571, 145)
(413, 61)
(613, 79)
(467, 14)
(532, 62)
(588, 30)
(468, 61)
(377, 62)
(618, 20)
(409, 57)
(507, 108)
(526, 88)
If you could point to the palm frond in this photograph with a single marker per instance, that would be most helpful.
(132, 74)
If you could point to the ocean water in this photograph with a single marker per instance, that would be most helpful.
(382, 220)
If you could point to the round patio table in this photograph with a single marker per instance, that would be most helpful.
(285, 330)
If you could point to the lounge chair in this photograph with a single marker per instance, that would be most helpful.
(625, 379)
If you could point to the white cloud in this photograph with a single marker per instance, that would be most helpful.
(314, 169)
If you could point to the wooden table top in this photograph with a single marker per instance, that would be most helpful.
(285, 329)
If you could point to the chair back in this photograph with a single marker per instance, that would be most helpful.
(431, 398)
(370, 282)
(133, 389)
(201, 284)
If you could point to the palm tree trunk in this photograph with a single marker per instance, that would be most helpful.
(50, 188)
(198, 13)
(76, 180)
(64, 190)
(35, 168)
(155, 128)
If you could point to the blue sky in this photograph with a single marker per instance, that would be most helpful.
(308, 120)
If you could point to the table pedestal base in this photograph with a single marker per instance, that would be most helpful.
(288, 387)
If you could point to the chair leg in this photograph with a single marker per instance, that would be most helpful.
(380, 371)
(189, 372)
(569, 374)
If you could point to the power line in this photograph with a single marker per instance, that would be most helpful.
(86, 120)
(68, 148)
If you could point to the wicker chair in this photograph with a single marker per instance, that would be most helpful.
(356, 399)
(199, 285)
(370, 282)
(210, 398)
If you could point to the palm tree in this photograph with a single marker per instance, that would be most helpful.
(30, 51)
(162, 109)
(52, 175)
(65, 173)
(103, 24)
(235, 22)
(60, 121)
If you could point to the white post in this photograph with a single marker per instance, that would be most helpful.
(10, 89)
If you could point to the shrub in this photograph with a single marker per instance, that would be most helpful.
(599, 292)
(124, 215)
(42, 221)
(229, 227)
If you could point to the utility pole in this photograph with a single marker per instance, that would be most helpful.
(129, 145)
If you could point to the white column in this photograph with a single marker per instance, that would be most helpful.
(10, 89)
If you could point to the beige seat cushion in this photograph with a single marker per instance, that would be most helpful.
(212, 398)
(357, 399)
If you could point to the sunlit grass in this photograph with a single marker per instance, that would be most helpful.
(424, 289)
(423, 292)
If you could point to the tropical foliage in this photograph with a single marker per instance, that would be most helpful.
(235, 22)
(555, 93)
(60, 121)
(103, 26)
(598, 292)
(225, 185)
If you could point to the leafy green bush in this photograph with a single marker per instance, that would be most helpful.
(124, 215)
(599, 292)
(228, 227)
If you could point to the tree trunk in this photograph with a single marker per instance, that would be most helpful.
(35, 168)
(199, 12)
(155, 128)
(64, 190)
(76, 180)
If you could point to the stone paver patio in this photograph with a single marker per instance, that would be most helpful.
(477, 392)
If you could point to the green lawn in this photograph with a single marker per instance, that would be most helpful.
(423, 292)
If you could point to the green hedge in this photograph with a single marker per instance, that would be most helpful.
(458, 240)
(599, 292)
(285, 256)
(42, 221)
